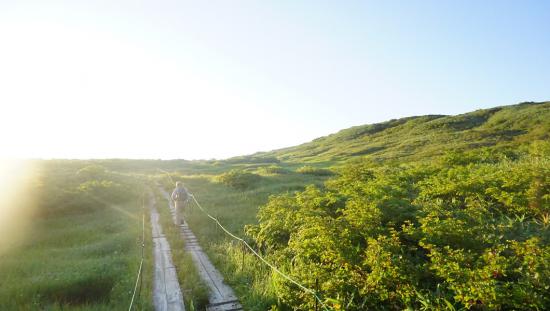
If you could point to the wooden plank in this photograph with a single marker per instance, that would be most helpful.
(167, 294)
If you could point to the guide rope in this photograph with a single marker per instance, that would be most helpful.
(307, 290)
(138, 278)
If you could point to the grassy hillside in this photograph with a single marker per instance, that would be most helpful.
(423, 137)
(431, 213)
(234, 197)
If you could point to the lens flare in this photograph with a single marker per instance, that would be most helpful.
(17, 200)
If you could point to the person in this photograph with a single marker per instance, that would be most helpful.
(180, 195)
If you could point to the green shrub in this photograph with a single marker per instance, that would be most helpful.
(272, 170)
(93, 171)
(468, 231)
(238, 179)
(310, 170)
(252, 159)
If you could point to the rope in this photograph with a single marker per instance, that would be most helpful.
(307, 290)
(135, 287)
(138, 278)
(169, 176)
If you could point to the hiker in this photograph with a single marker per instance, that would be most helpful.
(179, 196)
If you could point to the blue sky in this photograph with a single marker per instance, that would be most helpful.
(213, 79)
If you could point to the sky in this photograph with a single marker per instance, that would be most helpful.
(214, 79)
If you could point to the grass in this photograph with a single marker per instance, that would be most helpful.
(81, 257)
(236, 208)
(84, 256)
(232, 190)
(424, 137)
(195, 292)
(85, 261)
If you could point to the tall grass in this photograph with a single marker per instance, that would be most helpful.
(195, 292)
(83, 249)
(235, 208)
(84, 262)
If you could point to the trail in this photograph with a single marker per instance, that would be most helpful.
(167, 294)
(222, 297)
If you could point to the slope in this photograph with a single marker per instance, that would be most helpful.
(422, 137)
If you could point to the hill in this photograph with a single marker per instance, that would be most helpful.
(422, 137)
(421, 213)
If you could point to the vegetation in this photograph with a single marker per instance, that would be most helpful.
(83, 249)
(238, 179)
(307, 169)
(236, 208)
(428, 213)
(422, 138)
(469, 231)
(440, 213)
(272, 170)
(195, 292)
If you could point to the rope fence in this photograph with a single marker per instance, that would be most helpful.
(139, 278)
(305, 289)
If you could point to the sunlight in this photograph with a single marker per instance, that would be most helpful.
(17, 179)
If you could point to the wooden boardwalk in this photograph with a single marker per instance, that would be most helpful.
(167, 294)
(222, 297)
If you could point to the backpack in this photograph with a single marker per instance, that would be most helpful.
(181, 195)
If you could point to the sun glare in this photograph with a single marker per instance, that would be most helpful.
(17, 178)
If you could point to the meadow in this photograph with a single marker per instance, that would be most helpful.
(83, 248)
(234, 202)
(468, 231)
(195, 292)
(458, 221)
(420, 213)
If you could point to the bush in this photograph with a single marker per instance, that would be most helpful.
(310, 170)
(459, 233)
(238, 179)
(252, 159)
(93, 171)
(272, 170)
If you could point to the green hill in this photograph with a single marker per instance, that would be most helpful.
(421, 213)
(414, 138)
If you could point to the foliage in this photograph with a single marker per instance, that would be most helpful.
(238, 179)
(425, 211)
(307, 169)
(272, 170)
(194, 289)
(467, 231)
(429, 213)
(426, 137)
(257, 158)
(84, 247)
(235, 208)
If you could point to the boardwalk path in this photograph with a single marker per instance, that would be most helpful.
(166, 289)
(222, 297)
